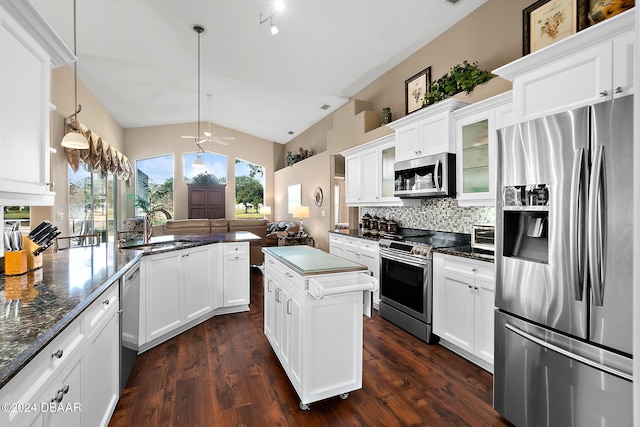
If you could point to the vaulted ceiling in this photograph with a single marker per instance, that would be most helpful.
(140, 57)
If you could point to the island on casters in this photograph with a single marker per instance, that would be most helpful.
(313, 308)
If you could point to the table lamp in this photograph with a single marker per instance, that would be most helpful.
(301, 212)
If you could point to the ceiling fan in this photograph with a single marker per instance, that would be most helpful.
(208, 136)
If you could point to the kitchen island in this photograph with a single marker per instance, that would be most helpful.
(313, 308)
(60, 331)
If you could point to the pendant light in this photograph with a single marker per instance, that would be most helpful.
(198, 162)
(75, 139)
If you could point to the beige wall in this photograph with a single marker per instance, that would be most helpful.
(303, 173)
(155, 141)
(95, 117)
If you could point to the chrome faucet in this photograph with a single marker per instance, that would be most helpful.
(148, 230)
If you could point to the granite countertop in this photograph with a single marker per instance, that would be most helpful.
(38, 305)
(355, 232)
(307, 261)
(468, 252)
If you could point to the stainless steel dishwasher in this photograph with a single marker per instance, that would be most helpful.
(129, 321)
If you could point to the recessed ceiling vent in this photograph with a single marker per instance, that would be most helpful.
(453, 1)
(325, 107)
(291, 132)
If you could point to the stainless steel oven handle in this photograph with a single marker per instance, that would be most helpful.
(405, 259)
(568, 354)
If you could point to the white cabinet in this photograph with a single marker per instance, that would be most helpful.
(74, 380)
(236, 274)
(427, 131)
(360, 250)
(591, 66)
(318, 340)
(27, 46)
(177, 290)
(369, 173)
(101, 379)
(476, 140)
(463, 306)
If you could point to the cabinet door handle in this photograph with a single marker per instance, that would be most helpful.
(470, 287)
(269, 285)
(106, 302)
(289, 305)
(278, 295)
(288, 275)
(474, 269)
(603, 93)
(618, 90)
(58, 354)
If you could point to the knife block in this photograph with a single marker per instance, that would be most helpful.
(15, 262)
(33, 262)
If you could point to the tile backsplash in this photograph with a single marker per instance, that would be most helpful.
(442, 214)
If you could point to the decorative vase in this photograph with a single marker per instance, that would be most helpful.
(385, 118)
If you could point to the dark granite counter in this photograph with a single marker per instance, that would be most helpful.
(38, 305)
(468, 252)
(352, 232)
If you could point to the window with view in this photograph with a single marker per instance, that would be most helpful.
(154, 186)
(214, 164)
(249, 189)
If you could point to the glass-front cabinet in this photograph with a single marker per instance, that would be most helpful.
(476, 139)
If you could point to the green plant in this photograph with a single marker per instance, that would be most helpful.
(205, 178)
(460, 78)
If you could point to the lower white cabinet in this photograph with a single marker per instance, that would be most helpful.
(181, 288)
(101, 379)
(236, 288)
(463, 306)
(362, 251)
(318, 340)
(74, 380)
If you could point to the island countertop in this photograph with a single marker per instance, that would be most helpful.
(306, 260)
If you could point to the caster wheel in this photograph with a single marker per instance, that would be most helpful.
(343, 396)
(304, 406)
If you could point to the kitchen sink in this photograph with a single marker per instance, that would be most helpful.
(172, 244)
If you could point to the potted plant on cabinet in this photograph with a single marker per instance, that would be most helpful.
(460, 78)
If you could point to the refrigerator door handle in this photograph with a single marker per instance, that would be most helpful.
(436, 173)
(577, 242)
(566, 353)
(597, 228)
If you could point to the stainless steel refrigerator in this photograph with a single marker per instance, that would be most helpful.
(563, 330)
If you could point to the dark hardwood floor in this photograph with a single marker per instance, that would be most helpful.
(224, 373)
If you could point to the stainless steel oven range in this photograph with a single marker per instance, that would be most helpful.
(406, 277)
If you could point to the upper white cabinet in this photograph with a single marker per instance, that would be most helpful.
(369, 173)
(28, 49)
(427, 131)
(476, 139)
(591, 66)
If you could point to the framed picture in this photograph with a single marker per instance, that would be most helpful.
(294, 193)
(414, 90)
(548, 21)
(599, 10)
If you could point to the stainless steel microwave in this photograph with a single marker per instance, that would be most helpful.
(427, 176)
(483, 237)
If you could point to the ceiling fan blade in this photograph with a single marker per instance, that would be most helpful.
(190, 137)
(228, 138)
(219, 141)
(203, 140)
(207, 134)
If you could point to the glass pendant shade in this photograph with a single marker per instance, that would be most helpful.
(75, 140)
(198, 162)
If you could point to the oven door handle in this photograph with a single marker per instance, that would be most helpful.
(405, 259)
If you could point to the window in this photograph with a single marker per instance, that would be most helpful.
(154, 186)
(13, 214)
(92, 204)
(249, 189)
(214, 164)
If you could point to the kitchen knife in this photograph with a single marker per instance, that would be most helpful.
(43, 248)
(37, 236)
(7, 241)
(52, 233)
(17, 235)
(38, 229)
(41, 237)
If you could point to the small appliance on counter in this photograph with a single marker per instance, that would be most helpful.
(483, 237)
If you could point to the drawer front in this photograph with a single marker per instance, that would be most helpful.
(99, 309)
(469, 267)
(285, 275)
(231, 249)
(37, 376)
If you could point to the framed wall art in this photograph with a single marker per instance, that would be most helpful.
(548, 21)
(600, 10)
(415, 89)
